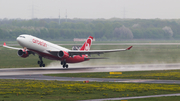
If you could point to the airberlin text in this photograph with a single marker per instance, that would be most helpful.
(41, 43)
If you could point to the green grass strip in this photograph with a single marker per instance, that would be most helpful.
(65, 90)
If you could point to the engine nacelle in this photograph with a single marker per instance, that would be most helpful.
(63, 54)
(23, 53)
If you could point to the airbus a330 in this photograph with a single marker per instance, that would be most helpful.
(34, 45)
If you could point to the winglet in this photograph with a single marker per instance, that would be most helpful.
(129, 48)
(4, 44)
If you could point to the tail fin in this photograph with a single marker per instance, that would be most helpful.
(86, 46)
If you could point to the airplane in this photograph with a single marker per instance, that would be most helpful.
(34, 45)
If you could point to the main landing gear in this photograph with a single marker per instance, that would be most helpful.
(41, 62)
(64, 64)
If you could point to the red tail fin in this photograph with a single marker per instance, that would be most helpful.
(86, 46)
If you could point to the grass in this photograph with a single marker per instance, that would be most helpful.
(137, 55)
(65, 90)
(160, 74)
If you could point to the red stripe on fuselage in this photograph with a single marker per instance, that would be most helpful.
(74, 59)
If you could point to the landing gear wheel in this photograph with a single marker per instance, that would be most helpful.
(64, 66)
(41, 65)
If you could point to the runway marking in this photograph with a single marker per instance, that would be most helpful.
(136, 81)
(136, 97)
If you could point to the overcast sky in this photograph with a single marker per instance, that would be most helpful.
(144, 9)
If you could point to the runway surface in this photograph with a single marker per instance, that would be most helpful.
(42, 77)
(137, 97)
(36, 73)
(84, 69)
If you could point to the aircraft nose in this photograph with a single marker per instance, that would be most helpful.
(18, 39)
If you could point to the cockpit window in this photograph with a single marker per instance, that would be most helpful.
(22, 36)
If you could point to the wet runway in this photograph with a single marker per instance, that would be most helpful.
(84, 69)
(36, 73)
(42, 77)
(136, 97)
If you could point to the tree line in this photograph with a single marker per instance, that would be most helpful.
(101, 29)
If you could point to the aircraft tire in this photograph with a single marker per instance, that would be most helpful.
(66, 66)
(43, 65)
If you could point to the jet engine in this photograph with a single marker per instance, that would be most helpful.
(63, 54)
(23, 53)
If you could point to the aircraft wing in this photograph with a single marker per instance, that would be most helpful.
(4, 45)
(76, 52)
(30, 52)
